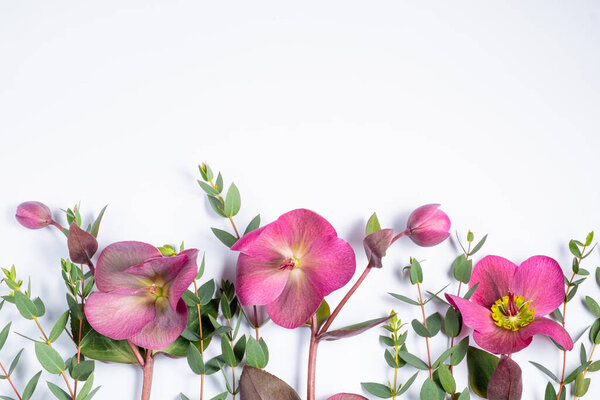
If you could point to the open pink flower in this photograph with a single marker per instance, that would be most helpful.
(291, 264)
(140, 294)
(508, 307)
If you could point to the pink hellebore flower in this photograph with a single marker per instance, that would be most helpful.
(34, 215)
(508, 307)
(428, 225)
(291, 264)
(140, 294)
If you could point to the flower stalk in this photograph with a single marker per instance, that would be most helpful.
(10, 381)
(148, 369)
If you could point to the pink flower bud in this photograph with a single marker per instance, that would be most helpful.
(33, 215)
(428, 225)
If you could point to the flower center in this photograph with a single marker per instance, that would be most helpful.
(154, 290)
(289, 263)
(512, 312)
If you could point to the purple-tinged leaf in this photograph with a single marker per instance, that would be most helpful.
(256, 384)
(347, 396)
(353, 330)
(82, 245)
(376, 244)
(506, 382)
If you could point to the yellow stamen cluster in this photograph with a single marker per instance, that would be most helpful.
(503, 318)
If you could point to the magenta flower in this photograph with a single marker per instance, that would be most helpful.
(140, 294)
(291, 264)
(34, 215)
(508, 307)
(428, 225)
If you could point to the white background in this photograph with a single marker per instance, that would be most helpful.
(343, 107)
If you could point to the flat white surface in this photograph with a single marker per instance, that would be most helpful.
(343, 107)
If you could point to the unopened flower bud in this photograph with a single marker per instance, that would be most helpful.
(34, 215)
(428, 225)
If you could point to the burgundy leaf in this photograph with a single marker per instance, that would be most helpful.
(506, 382)
(347, 396)
(82, 245)
(353, 330)
(376, 244)
(256, 384)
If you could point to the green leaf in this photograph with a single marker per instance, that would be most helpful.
(598, 275)
(582, 354)
(420, 329)
(470, 236)
(233, 201)
(408, 383)
(227, 353)
(446, 379)
(574, 248)
(74, 307)
(460, 350)
(201, 268)
(25, 306)
(221, 396)
(89, 396)
(225, 309)
(546, 371)
(452, 322)
(434, 324)
(30, 387)
(96, 225)
(58, 392)
(49, 358)
(183, 396)
(4, 334)
(219, 182)
(550, 393)
(481, 366)
(372, 225)
(14, 362)
(416, 272)
(83, 370)
(208, 189)
(353, 330)
(323, 312)
(240, 348)
(206, 292)
(582, 384)
(225, 237)
(431, 391)
(253, 225)
(255, 356)
(217, 206)
(592, 305)
(99, 347)
(461, 269)
(468, 295)
(59, 326)
(595, 366)
(478, 245)
(195, 360)
(405, 299)
(377, 389)
(85, 389)
(571, 377)
(443, 357)
(390, 359)
(413, 360)
(465, 395)
(39, 304)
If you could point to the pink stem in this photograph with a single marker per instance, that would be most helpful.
(148, 369)
(312, 359)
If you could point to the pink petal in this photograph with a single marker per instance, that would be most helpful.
(306, 227)
(259, 281)
(329, 264)
(159, 269)
(494, 275)
(429, 237)
(421, 215)
(347, 396)
(297, 303)
(501, 341)
(474, 316)
(545, 326)
(539, 279)
(116, 258)
(245, 242)
(165, 328)
(184, 278)
(119, 314)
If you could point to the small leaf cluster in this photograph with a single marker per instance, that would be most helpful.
(396, 343)
(32, 383)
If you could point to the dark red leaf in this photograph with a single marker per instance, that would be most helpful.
(506, 382)
(347, 396)
(256, 384)
(376, 244)
(82, 245)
